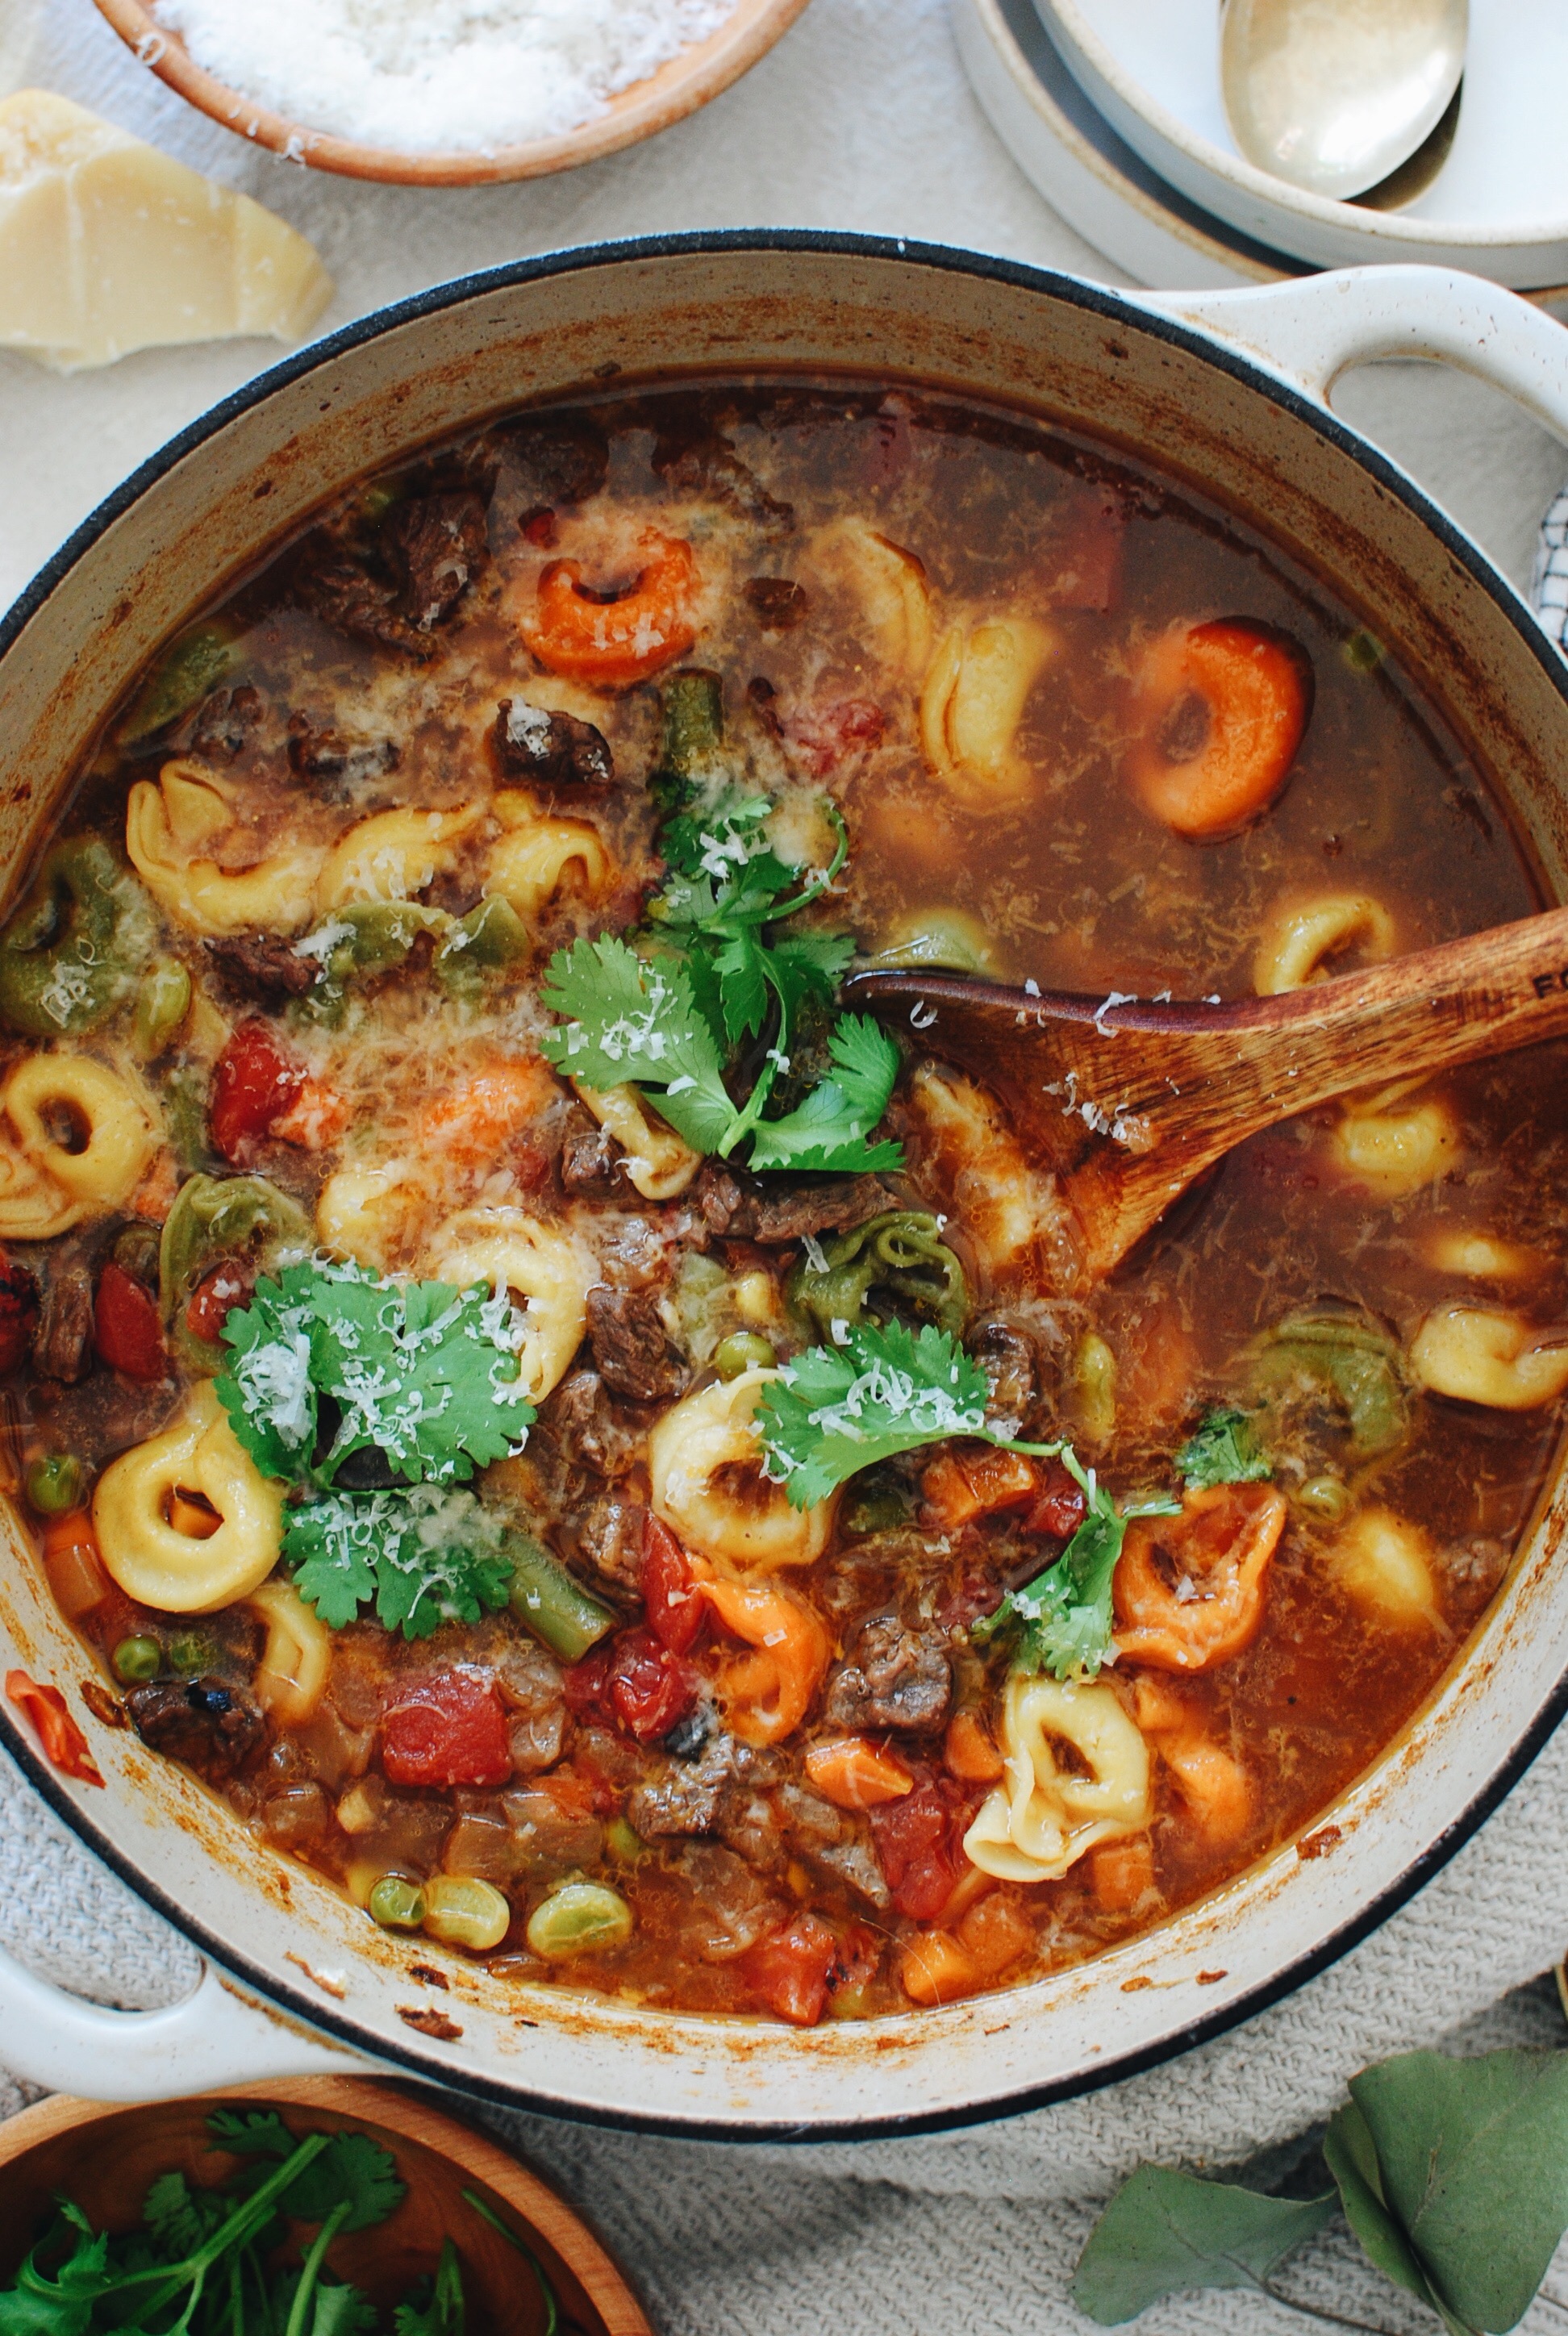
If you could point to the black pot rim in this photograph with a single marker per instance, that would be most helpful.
(1114, 306)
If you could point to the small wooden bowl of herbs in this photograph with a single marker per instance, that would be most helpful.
(329, 2207)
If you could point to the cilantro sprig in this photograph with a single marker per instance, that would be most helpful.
(715, 973)
(1222, 1449)
(1063, 1618)
(431, 1555)
(423, 1372)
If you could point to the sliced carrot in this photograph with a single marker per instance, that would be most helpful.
(1120, 1872)
(612, 639)
(853, 1773)
(934, 1969)
(964, 1484)
(64, 1745)
(969, 1752)
(1221, 708)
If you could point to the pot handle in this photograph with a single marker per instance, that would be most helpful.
(1315, 327)
(219, 2034)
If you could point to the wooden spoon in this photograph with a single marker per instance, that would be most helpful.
(1129, 1102)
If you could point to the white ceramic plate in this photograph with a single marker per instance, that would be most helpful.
(1499, 207)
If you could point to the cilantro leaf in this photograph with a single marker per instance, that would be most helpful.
(37, 2304)
(829, 1129)
(627, 1017)
(1222, 1449)
(1063, 1617)
(180, 2219)
(424, 1372)
(835, 1410)
(445, 2313)
(427, 1556)
(254, 2133)
(352, 2171)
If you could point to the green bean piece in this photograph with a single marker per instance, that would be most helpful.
(580, 1918)
(396, 1904)
(491, 939)
(163, 1003)
(215, 1217)
(624, 1844)
(743, 1350)
(1094, 1388)
(56, 1483)
(552, 1602)
(192, 1652)
(692, 740)
(189, 669)
(1337, 1356)
(185, 1089)
(76, 943)
(896, 1264)
(136, 1658)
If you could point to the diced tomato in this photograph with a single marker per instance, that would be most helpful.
(18, 1312)
(829, 734)
(918, 1845)
(228, 1285)
(254, 1084)
(790, 1969)
(64, 1745)
(650, 1687)
(586, 1685)
(673, 1606)
(1088, 561)
(1059, 1505)
(446, 1728)
(127, 1328)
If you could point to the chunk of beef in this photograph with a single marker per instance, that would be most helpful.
(555, 462)
(550, 750)
(590, 1162)
(212, 1726)
(63, 1342)
(633, 1352)
(1010, 1362)
(894, 1678)
(530, 1684)
(340, 590)
(708, 467)
(833, 1838)
(683, 1797)
(258, 967)
(591, 1430)
(224, 722)
(783, 1209)
(778, 604)
(549, 1833)
(855, 1862)
(439, 545)
(731, 1907)
(317, 751)
(608, 1537)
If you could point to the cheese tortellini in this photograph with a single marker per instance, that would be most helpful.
(394, 855)
(296, 1656)
(369, 1213)
(544, 1265)
(1395, 1142)
(1385, 1564)
(537, 857)
(708, 1486)
(170, 830)
(1303, 937)
(659, 1162)
(1042, 1818)
(1491, 1356)
(1011, 1213)
(48, 1185)
(147, 1553)
(890, 587)
(971, 705)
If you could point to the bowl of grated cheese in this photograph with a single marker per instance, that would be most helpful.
(448, 93)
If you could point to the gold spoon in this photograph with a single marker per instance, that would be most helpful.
(1128, 1104)
(1333, 95)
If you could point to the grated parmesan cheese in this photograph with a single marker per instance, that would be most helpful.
(438, 76)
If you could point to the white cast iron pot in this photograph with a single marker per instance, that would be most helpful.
(1227, 389)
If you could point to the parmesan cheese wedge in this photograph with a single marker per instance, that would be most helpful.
(108, 246)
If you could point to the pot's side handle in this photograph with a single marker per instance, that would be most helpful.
(220, 2034)
(1313, 329)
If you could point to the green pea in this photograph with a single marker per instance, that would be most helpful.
(462, 1911)
(552, 1602)
(623, 1841)
(136, 1658)
(396, 1904)
(192, 1652)
(743, 1350)
(692, 740)
(56, 1483)
(1094, 1388)
(580, 1918)
(163, 1003)
(189, 669)
(491, 939)
(76, 943)
(1324, 1497)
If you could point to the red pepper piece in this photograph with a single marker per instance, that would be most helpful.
(674, 1607)
(127, 1330)
(446, 1728)
(64, 1745)
(790, 1969)
(254, 1084)
(18, 1312)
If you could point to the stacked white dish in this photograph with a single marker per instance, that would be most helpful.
(1112, 109)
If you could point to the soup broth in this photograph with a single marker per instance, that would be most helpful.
(588, 1442)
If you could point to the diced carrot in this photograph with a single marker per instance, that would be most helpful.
(316, 1118)
(72, 1561)
(969, 1752)
(194, 1519)
(934, 1969)
(64, 1745)
(1121, 1871)
(996, 1934)
(967, 1484)
(854, 1774)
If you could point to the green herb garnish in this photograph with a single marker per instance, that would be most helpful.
(1222, 1449)
(431, 1555)
(1063, 1617)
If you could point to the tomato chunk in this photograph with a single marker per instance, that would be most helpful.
(674, 1606)
(18, 1312)
(650, 1687)
(254, 1084)
(226, 1286)
(919, 1846)
(64, 1745)
(789, 1971)
(127, 1330)
(446, 1728)
(1059, 1505)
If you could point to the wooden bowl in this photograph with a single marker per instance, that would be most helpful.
(679, 87)
(104, 2158)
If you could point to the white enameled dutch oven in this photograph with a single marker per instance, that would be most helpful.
(1228, 390)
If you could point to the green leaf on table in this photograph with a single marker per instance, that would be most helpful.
(1353, 2160)
(59, 2302)
(1166, 2232)
(352, 2169)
